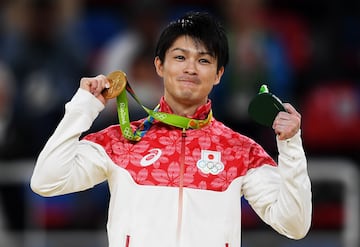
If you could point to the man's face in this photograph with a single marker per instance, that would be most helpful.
(189, 72)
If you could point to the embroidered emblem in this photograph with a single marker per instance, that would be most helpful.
(149, 159)
(210, 162)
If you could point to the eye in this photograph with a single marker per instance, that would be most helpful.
(179, 58)
(204, 61)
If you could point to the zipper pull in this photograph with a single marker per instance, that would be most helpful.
(183, 134)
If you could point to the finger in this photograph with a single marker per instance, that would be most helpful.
(290, 109)
(283, 136)
(281, 119)
(283, 132)
(280, 130)
(95, 85)
(286, 125)
(282, 116)
(85, 83)
(98, 85)
(105, 83)
(287, 130)
(293, 117)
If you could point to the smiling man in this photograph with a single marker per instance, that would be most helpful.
(179, 184)
(189, 71)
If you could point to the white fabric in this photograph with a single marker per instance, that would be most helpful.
(148, 215)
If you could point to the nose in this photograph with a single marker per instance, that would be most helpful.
(190, 67)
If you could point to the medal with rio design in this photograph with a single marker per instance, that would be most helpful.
(117, 80)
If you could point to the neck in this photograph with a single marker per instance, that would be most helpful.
(183, 109)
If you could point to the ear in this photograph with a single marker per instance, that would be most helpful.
(158, 66)
(219, 75)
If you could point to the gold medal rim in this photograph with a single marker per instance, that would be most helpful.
(117, 80)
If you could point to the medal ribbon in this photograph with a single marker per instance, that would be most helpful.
(167, 118)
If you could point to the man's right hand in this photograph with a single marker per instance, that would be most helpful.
(95, 85)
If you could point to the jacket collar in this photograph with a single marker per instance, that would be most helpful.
(200, 113)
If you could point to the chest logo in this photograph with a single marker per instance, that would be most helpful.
(149, 159)
(210, 162)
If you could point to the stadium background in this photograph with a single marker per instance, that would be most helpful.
(308, 52)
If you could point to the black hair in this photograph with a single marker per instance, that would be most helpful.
(200, 26)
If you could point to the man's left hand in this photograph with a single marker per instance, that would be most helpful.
(287, 124)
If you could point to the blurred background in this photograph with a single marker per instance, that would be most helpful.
(307, 52)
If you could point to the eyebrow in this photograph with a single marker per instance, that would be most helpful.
(187, 51)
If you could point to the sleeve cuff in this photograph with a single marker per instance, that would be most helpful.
(291, 148)
(84, 102)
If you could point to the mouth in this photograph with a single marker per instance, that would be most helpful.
(186, 80)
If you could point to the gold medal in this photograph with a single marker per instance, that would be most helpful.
(117, 80)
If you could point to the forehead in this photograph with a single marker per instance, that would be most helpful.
(188, 43)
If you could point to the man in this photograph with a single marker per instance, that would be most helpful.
(179, 186)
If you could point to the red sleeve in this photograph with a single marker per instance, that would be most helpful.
(258, 157)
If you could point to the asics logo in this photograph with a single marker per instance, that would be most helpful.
(149, 159)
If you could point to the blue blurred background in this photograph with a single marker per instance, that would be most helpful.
(307, 52)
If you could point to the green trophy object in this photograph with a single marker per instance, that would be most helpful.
(264, 107)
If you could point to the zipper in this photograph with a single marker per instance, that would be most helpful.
(127, 242)
(181, 183)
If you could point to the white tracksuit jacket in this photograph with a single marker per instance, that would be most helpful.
(174, 188)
